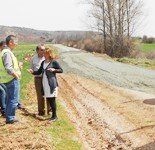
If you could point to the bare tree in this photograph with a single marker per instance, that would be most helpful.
(116, 20)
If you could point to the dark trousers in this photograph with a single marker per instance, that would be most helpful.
(40, 98)
(52, 102)
(3, 98)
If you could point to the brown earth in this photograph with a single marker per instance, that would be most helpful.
(108, 117)
(31, 130)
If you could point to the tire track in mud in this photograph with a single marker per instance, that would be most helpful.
(101, 126)
(91, 126)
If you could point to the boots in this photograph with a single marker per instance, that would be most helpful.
(52, 103)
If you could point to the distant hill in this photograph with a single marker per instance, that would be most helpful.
(35, 36)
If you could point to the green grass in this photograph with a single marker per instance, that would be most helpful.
(147, 47)
(26, 77)
(21, 51)
(145, 63)
(63, 133)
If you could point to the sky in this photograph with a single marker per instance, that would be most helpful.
(147, 26)
(56, 15)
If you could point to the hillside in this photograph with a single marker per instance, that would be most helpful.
(35, 36)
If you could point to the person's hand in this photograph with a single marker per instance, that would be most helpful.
(30, 71)
(16, 76)
(20, 65)
(19, 76)
(51, 69)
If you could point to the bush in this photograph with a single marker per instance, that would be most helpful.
(150, 55)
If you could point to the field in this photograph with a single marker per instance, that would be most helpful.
(93, 114)
(33, 131)
(147, 47)
(141, 61)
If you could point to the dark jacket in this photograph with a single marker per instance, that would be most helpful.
(51, 76)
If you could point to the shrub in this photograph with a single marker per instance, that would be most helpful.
(150, 55)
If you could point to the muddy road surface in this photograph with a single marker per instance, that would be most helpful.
(112, 105)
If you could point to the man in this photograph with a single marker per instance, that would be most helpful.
(3, 98)
(2, 45)
(10, 75)
(19, 106)
(35, 65)
(3, 94)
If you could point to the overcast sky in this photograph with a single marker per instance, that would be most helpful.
(56, 15)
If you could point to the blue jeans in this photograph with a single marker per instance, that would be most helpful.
(3, 97)
(12, 100)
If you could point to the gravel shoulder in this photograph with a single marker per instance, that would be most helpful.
(122, 75)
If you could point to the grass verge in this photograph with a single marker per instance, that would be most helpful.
(63, 133)
(146, 63)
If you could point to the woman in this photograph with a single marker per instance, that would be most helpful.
(49, 67)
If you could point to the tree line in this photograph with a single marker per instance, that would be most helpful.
(148, 40)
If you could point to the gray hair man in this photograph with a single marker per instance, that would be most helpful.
(35, 65)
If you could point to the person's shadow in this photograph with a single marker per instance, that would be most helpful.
(149, 101)
(26, 112)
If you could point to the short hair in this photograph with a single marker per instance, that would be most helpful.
(2, 43)
(40, 46)
(9, 38)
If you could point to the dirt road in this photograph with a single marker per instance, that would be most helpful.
(98, 98)
(115, 73)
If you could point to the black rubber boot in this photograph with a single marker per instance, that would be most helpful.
(52, 103)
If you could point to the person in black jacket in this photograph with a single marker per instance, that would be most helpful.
(49, 67)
